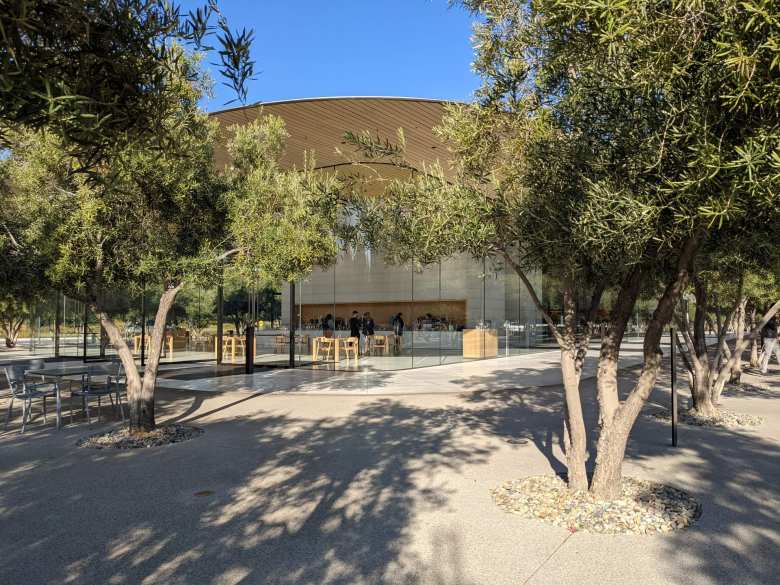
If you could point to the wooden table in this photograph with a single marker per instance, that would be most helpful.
(137, 342)
(480, 343)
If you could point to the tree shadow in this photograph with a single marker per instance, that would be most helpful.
(734, 476)
(295, 496)
(533, 413)
(266, 498)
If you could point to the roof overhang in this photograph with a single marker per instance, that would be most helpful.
(318, 125)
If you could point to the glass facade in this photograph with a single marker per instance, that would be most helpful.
(403, 316)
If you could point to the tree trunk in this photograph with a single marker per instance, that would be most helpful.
(698, 370)
(572, 359)
(721, 371)
(143, 415)
(140, 393)
(609, 356)
(611, 447)
(125, 355)
(574, 435)
(11, 329)
(724, 372)
(754, 341)
(736, 371)
(608, 452)
(573, 354)
(701, 393)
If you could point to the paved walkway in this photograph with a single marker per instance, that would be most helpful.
(533, 369)
(341, 485)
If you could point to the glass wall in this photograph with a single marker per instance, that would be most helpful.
(36, 336)
(271, 326)
(362, 313)
(125, 310)
(408, 317)
(191, 325)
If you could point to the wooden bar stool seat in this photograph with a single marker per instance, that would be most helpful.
(379, 343)
(352, 344)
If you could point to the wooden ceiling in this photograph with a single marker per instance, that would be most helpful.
(319, 124)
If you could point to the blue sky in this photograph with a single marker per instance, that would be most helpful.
(312, 48)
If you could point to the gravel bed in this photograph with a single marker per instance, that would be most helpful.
(122, 439)
(644, 507)
(725, 418)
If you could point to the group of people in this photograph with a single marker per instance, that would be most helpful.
(361, 324)
(364, 325)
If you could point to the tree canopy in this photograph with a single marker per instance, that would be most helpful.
(282, 222)
(97, 73)
(607, 146)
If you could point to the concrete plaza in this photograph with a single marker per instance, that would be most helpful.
(309, 477)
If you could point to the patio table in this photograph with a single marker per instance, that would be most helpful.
(59, 373)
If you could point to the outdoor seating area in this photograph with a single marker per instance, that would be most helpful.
(84, 385)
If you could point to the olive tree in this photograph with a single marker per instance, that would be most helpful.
(282, 222)
(761, 290)
(96, 72)
(607, 146)
(143, 219)
(723, 283)
(167, 219)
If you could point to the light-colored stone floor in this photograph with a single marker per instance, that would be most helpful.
(532, 369)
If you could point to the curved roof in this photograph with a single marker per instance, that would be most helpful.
(319, 124)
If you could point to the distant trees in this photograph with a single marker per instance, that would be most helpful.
(13, 314)
(729, 276)
(236, 306)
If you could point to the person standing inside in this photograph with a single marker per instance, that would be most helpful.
(398, 332)
(368, 331)
(355, 326)
(327, 326)
(769, 335)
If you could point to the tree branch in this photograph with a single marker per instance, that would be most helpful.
(534, 297)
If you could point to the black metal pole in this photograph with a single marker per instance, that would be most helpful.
(57, 324)
(674, 388)
(220, 321)
(292, 325)
(250, 348)
(86, 318)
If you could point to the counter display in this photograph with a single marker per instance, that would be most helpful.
(480, 343)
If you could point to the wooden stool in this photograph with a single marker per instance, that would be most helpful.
(379, 342)
(352, 344)
(324, 344)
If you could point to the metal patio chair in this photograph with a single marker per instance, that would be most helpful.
(89, 389)
(26, 391)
